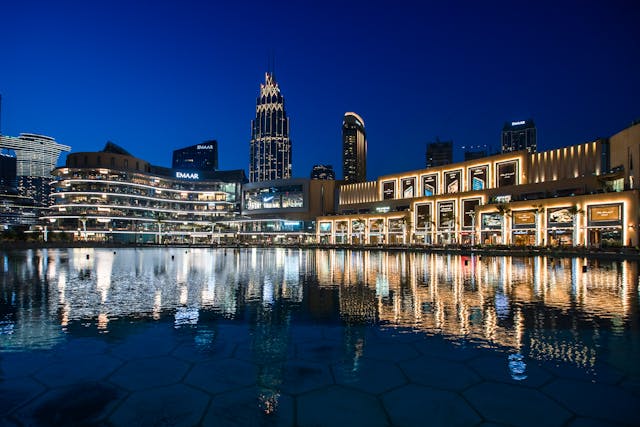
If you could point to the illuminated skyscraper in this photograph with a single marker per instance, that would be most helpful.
(202, 157)
(354, 149)
(519, 135)
(270, 156)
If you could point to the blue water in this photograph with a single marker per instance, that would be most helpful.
(315, 337)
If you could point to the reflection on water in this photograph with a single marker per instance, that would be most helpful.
(568, 310)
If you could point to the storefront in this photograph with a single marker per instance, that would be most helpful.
(523, 228)
(491, 231)
(604, 225)
(560, 226)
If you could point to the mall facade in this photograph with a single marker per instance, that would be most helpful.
(581, 195)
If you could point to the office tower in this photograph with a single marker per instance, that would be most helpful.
(520, 135)
(323, 172)
(354, 149)
(473, 152)
(36, 157)
(270, 153)
(202, 157)
(439, 153)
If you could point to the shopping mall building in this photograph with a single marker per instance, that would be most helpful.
(581, 195)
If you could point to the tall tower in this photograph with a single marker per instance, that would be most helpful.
(519, 135)
(270, 156)
(354, 148)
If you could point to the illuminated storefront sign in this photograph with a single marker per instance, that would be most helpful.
(430, 184)
(468, 209)
(478, 177)
(453, 181)
(408, 187)
(507, 173)
(559, 217)
(605, 213)
(325, 227)
(185, 175)
(492, 221)
(423, 216)
(388, 190)
(446, 215)
(524, 218)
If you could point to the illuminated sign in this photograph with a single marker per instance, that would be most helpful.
(388, 190)
(204, 147)
(408, 184)
(452, 181)
(430, 184)
(524, 218)
(185, 175)
(446, 215)
(605, 213)
(521, 122)
(383, 209)
(325, 227)
(492, 221)
(559, 216)
(478, 177)
(469, 212)
(506, 173)
(423, 216)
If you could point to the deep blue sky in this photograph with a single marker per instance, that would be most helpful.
(153, 76)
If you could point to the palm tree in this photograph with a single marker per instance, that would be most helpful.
(504, 211)
(538, 209)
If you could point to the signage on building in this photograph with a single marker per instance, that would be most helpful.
(605, 213)
(507, 173)
(492, 221)
(204, 147)
(469, 210)
(446, 214)
(423, 216)
(521, 122)
(187, 175)
(430, 184)
(452, 181)
(325, 227)
(559, 217)
(408, 185)
(388, 190)
(478, 177)
(524, 218)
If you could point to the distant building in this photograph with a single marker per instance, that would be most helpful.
(15, 210)
(270, 151)
(36, 157)
(520, 135)
(8, 177)
(354, 149)
(323, 172)
(202, 157)
(439, 153)
(475, 152)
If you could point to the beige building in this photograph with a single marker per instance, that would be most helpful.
(585, 194)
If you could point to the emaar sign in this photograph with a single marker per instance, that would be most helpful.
(185, 175)
(204, 147)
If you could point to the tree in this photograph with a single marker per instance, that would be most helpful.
(575, 211)
(504, 211)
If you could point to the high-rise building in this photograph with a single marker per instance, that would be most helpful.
(270, 153)
(202, 157)
(439, 153)
(520, 135)
(8, 181)
(36, 157)
(323, 172)
(354, 148)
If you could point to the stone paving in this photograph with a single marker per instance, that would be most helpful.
(304, 376)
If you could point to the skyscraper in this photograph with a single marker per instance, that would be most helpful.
(439, 153)
(202, 157)
(354, 148)
(520, 135)
(270, 154)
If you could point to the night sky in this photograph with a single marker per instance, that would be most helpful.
(154, 76)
